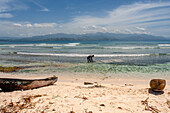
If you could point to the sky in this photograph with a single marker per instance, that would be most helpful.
(26, 18)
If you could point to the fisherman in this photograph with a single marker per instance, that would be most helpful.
(90, 58)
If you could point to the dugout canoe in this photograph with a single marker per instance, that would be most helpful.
(11, 84)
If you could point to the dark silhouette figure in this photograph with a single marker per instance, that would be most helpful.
(90, 58)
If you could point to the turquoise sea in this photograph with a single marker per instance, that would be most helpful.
(109, 56)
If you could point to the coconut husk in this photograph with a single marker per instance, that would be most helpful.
(157, 84)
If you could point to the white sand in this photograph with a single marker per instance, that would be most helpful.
(70, 94)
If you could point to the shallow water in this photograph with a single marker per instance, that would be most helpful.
(110, 56)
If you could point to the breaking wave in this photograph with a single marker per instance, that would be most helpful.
(135, 47)
(41, 45)
(164, 45)
(81, 55)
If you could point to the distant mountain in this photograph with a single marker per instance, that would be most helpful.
(10, 38)
(92, 36)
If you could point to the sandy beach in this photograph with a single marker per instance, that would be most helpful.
(70, 95)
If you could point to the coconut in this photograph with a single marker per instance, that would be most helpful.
(157, 84)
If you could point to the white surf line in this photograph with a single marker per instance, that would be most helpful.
(164, 45)
(41, 45)
(81, 55)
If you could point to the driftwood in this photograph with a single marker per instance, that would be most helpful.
(128, 84)
(88, 83)
(168, 103)
(92, 85)
(150, 108)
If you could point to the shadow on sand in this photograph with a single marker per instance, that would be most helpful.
(155, 92)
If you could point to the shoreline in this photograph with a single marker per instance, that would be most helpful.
(94, 77)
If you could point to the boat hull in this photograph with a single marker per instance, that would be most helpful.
(10, 84)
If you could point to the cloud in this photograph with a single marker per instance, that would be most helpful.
(140, 28)
(6, 15)
(3, 5)
(137, 18)
(6, 6)
(36, 25)
(43, 8)
(17, 25)
(148, 18)
(28, 25)
(45, 25)
(11, 5)
(25, 29)
(94, 28)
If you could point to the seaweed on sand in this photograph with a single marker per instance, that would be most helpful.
(9, 69)
(24, 103)
(83, 97)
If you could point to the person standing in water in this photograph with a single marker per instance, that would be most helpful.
(90, 58)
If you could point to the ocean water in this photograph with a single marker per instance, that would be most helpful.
(109, 56)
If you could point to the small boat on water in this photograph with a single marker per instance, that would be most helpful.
(11, 84)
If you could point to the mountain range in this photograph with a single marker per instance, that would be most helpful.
(88, 37)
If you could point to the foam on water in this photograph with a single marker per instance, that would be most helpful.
(71, 44)
(39, 45)
(164, 45)
(82, 55)
(135, 47)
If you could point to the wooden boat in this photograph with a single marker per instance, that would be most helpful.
(11, 84)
